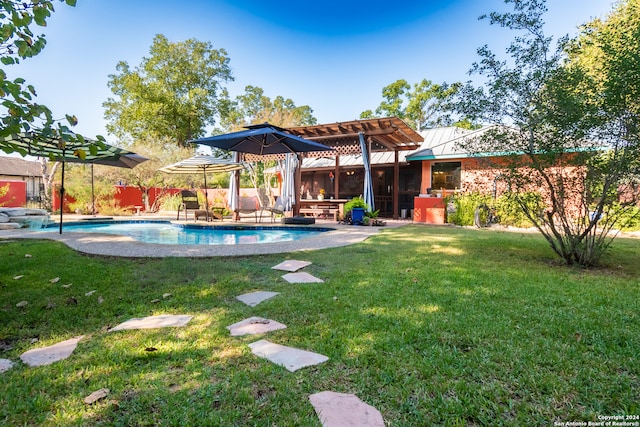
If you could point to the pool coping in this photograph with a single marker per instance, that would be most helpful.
(124, 246)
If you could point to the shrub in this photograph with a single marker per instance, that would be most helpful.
(465, 206)
(170, 202)
(510, 213)
(505, 208)
(630, 219)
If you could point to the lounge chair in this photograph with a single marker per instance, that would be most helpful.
(248, 205)
(276, 209)
(190, 203)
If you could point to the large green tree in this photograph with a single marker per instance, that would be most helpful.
(423, 105)
(172, 93)
(19, 111)
(564, 131)
(253, 107)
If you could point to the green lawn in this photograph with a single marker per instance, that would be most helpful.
(431, 325)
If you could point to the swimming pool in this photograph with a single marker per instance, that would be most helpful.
(168, 233)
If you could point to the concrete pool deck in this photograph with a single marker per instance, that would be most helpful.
(124, 246)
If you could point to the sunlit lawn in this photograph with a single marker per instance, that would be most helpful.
(432, 326)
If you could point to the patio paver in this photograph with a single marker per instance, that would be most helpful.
(53, 353)
(344, 410)
(290, 358)
(5, 365)
(254, 325)
(152, 322)
(254, 298)
(291, 265)
(302, 277)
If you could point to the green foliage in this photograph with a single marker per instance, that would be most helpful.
(483, 328)
(20, 111)
(254, 107)
(425, 105)
(509, 208)
(465, 206)
(356, 202)
(628, 217)
(556, 107)
(169, 202)
(173, 93)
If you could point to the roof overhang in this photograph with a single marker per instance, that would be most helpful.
(384, 134)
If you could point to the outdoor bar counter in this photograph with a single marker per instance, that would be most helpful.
(431, 210)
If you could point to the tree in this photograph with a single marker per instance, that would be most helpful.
(19, 112)
(426, 106)
(160, 152)
(255, 107)
(172, 93)
(552, 121)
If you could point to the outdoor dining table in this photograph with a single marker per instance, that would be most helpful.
(331, 203)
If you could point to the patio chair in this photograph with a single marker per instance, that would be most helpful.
(190, 203)
(248, 205)
(276, 209)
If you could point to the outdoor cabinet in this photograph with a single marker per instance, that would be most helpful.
(431, 210)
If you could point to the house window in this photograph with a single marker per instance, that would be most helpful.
(445, 175)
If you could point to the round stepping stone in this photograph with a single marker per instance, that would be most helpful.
(344, 410)
(5, 365)
(53, 353)
(254, 325)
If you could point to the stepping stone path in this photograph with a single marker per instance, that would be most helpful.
(254, 325)
(53, 353)
(301, 278)
(333, 409)
(344, 410)
(152, 322)
(5, 365)
(254, 298)
(290, 358)
(291, 265)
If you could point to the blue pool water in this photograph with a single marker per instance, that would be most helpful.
(164, 232)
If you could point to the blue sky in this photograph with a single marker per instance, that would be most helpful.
(335, 56)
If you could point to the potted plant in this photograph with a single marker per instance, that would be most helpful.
(372, 218)
(355, 209)
(321, 194)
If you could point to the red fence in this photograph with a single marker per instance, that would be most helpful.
(16, 195)
(124, 196)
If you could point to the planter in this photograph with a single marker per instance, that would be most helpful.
(320, 196)
(357, 215)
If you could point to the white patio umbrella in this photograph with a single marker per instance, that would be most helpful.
(203, 164)
(367, 193)
(234, 185)
(288, 187)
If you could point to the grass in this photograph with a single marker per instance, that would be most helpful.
(432, 326)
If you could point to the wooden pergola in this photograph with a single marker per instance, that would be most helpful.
(380, 134)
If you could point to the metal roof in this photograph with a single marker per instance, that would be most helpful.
(442, 143)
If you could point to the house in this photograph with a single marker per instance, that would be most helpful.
(23, 180)
(438, 164)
